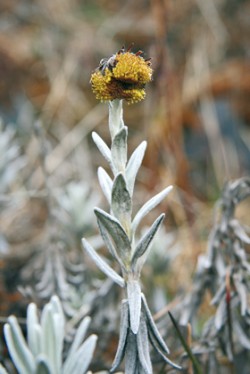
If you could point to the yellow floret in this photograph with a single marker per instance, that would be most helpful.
(126, 80)
(132, 68)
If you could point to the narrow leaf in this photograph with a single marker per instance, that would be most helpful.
(163, 356)
(131, 355)
(220, 315)
(241, 336)
(151, 204)
(82, 357)
(103, 266)
(124, 328)
(106, 183)
(133, 165)
(102, 146)
(79, 337)
(32, 329)
(240, 231)
(3, 370)
(191, 356)
(42, 366)
(153, 328)
(52, 328)
(145, 241)
(121, 201)
(109, 244)
(143, 346)
(119, 150)
(116, 232)
(19, 352)
(134, 302)
(242, 292)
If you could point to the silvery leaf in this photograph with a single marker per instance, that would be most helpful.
(119, 150)
(242, 292)
(58, 326)
(131, 355)
(18, 349)
(105, 183)
(103, 266)
(102, 146)
(109, 244)
(159, 351)
(133, 165)
(52, 325)
(81, 358)
(219, 294)
(33, 330)
(241, 336)
(143, 346)
(3, 370)
(220, 315)
(42, 366)
(145, 242)
(240, 232)
(134, 302)
(115, 117)
(124, 329)
(78, 339)
(121, 201)
(153, 328)
(116, 232)
(151, 204)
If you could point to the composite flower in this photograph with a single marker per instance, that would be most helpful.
(122, 76)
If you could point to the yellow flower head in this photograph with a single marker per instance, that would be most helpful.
(122, 76)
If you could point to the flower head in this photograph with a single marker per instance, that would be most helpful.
(122, 76)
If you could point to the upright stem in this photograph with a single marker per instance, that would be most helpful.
(115, 117)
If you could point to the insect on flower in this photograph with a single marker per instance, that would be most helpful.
(122, 76)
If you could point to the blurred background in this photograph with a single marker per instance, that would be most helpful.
(195, 118)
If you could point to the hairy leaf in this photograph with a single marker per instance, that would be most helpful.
(81, 358)
(121, 201)
(133, 166)
(147, 207)
(18, 349)
(124, 329)
(153, 328)
(33, 330)
(106, 183)
(109, 244)
(119, 150)
(145, 242)
(143, 346)
(116, 232)
(42, 366)
(102, 146)
(103, 266)
(131, 355)
(134, 302)
(78, 339)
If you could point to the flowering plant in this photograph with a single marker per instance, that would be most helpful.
(124, 76)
